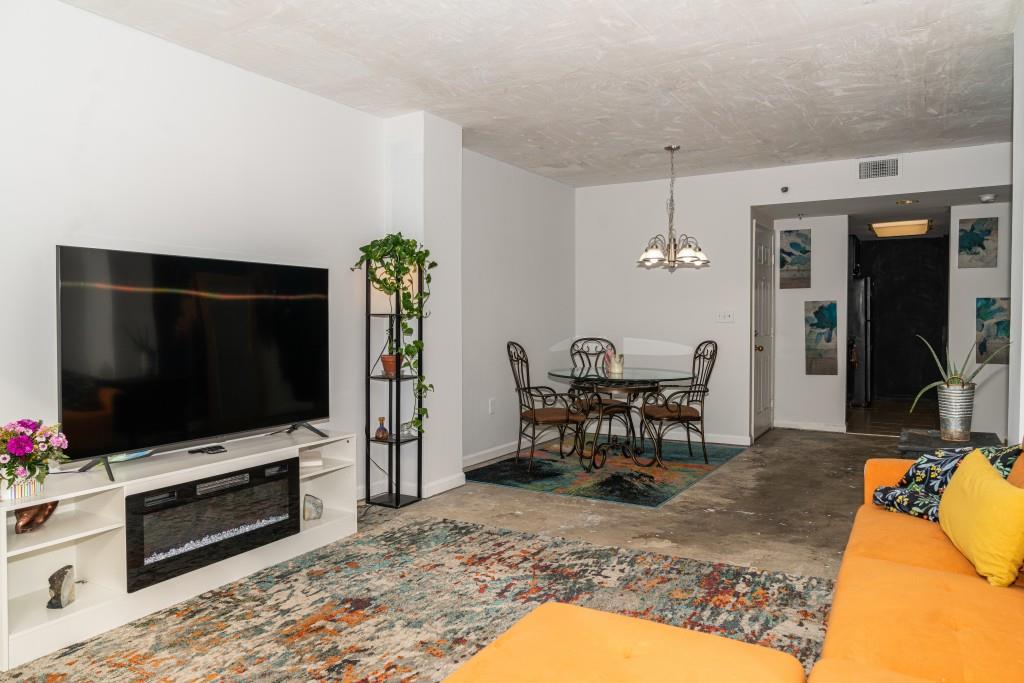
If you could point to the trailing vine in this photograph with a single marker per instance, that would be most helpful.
(392, 262)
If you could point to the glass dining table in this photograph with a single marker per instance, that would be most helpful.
(635, 384)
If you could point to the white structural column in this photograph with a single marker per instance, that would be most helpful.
(423, 169)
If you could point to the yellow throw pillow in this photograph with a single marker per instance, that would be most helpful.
(983, 515)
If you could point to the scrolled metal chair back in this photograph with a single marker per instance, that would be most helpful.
(703, 363)
(520, 363)
(588, 353)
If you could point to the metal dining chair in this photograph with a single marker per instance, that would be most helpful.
(542, 409)
(588, 354)
(683, 406)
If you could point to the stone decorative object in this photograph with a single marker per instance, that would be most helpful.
(62, 587)
(312, 508)
(33, 516)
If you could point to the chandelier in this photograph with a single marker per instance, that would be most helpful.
(673, 251)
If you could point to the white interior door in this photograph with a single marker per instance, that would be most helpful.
(764, 330)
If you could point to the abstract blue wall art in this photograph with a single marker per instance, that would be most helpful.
(978, 243)
(821, 348)
(794, 259)
(992, 331)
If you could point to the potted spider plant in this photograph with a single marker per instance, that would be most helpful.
(956, 392)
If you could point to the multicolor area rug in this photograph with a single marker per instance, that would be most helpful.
(620, 480)
(411, 600)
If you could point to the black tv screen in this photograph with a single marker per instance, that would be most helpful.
(158, 351)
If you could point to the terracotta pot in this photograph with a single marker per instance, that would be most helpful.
(390, 363)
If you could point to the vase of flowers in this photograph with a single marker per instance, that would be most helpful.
(26, 448)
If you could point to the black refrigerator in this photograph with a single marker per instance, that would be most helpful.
(858, 375)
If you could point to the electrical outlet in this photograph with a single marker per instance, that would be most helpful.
(726, 317)
(490, 406)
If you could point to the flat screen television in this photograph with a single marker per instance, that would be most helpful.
(158, 352)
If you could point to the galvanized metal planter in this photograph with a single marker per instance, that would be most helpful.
(956, 408)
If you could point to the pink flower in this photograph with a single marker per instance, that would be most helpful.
(58, 440)
(20, 446)
(4, 458)
(30, 425)
(21, 472)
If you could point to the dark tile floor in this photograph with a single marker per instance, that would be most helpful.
(887, 416)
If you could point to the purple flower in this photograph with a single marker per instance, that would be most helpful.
(20, 446)
(21, 472)
(30, 425)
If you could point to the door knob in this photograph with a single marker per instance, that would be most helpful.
(759, 348)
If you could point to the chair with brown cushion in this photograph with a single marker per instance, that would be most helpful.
(542, 408)
(588, 354)
(673, 407)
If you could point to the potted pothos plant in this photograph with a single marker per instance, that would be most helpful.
(394, 263)
(956, 392)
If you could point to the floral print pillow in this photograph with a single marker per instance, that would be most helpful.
(909, 501)
(918, 492)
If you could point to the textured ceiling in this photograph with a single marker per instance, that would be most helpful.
(589, 91)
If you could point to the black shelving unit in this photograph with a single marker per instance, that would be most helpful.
(393, 498)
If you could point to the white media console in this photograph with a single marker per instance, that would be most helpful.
(88, 531)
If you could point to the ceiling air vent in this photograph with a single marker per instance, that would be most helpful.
(879, 168)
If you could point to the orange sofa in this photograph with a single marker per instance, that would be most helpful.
(908, 607)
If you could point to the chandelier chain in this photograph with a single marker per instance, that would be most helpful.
(672, 193)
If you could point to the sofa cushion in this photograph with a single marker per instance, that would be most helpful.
(909, 501)
(880, 535)
(935, 625)
(932, 472)
(1017, 474)
(844, 671)
(983, 515)
(557, 643)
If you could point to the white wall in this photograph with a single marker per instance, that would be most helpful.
(517, 269)
(613, 222)
(965, 286)
(442, 358)
(1015, 405)
(805, 401)
(114, 138)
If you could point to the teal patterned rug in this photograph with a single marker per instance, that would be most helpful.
(408, 601)
(620, 480)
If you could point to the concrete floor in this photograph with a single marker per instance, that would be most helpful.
(785, 504)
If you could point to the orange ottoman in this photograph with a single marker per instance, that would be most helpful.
(558, 643)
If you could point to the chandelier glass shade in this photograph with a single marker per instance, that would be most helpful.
(674, 250)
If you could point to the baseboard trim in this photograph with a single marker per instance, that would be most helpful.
(483, 456)
(811, 426)
(433, 488)
(430, 488)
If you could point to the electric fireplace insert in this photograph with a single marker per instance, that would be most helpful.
(177, 529)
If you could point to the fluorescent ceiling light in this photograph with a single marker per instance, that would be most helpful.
(900, 228)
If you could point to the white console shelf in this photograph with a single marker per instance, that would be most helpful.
(88, 531)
